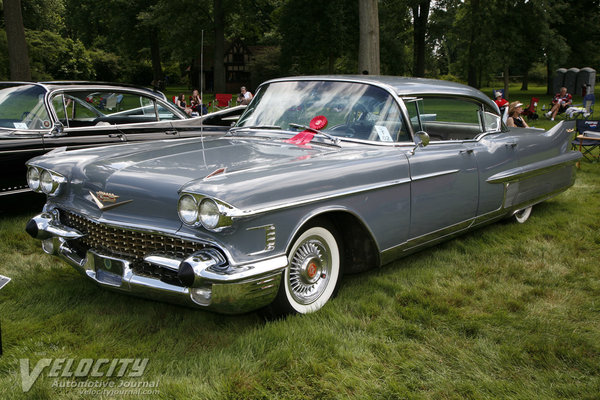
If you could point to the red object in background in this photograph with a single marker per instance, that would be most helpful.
(223, 99)
(317, 123)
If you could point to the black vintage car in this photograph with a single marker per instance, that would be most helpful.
(38, 117)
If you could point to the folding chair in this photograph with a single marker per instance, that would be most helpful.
(222, 100)
(587, 108)
(531, 111)
(587, 137)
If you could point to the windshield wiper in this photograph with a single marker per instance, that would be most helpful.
(238, 128)
(334, 139)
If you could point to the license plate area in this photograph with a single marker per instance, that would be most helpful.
(109, 270)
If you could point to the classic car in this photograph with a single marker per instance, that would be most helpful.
(38, 117)
(321, 176)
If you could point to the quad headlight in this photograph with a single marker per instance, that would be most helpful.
(188, 209)
(196, 210)
(209, 213)
(33, 178)
(43, 180)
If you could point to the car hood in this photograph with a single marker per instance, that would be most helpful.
(148, 177)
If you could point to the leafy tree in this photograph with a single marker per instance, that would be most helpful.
(314, 35)
(395, 37)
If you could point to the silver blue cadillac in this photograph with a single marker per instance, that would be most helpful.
(321, 176)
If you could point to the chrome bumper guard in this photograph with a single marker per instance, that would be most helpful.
(210, 282)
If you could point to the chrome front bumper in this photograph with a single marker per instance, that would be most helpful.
(228, 290)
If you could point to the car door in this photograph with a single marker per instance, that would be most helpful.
(444, 178)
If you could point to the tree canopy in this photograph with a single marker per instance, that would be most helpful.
(474, 41)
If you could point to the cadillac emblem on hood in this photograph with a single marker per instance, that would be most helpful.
(106, 197)
(102, 197)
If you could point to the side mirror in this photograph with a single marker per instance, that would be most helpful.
(57, 130)
(421, 140)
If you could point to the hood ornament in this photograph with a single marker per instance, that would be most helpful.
(103, 197)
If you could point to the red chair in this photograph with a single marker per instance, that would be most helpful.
(223, 100)
(531, 111)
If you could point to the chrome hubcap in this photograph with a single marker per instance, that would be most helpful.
(310, 269)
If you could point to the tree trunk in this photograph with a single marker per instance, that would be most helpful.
(368, 47)
(219, 66)
(157, 73)
(549, 78)
(506, 94)
(420, 15)
(18, 55)
(525, 84)
(474, 33)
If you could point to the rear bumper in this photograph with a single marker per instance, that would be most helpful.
(231, 290)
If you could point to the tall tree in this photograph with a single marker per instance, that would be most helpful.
(219, 67)
(17, 46)
(318, 37)
(420, 10)
(368, 48)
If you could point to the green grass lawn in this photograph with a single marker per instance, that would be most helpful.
(508, 311)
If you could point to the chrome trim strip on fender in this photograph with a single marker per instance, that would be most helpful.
(536, 168)
(238, 213)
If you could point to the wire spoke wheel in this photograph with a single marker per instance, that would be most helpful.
(313, 273)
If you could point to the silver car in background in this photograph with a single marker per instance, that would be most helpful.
(321, 176)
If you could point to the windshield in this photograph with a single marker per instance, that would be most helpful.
(22, 107)
(353, 110)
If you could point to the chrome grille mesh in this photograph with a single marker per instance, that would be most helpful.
(126, 242)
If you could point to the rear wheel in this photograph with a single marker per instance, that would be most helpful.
(523, 215)
(313, 273)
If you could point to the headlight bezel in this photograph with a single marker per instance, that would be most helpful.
(55, 183)
(221, 217)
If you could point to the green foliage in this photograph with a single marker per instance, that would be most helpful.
(55, 57)
(508, 311)
(328, 32)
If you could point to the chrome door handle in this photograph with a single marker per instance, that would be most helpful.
(170, 132)
(117, 135)
(467, 151)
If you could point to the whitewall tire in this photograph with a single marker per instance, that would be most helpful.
(313, 273)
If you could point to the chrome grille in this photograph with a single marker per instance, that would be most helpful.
(128, 243)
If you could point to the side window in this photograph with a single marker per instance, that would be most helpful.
(446, 118)
(491, 122)
(164, 114)
(92, 108)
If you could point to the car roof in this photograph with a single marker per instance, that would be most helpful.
(406, 86)
(53, 85)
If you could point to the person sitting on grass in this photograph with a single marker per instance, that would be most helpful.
(560, 103)
(515, 109)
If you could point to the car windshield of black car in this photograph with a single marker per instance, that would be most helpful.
(22, 107)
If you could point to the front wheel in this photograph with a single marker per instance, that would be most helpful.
(523, 215)
(313, 272)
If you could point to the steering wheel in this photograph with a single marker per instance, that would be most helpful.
(358, 113)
